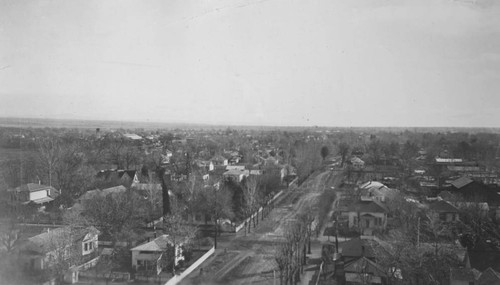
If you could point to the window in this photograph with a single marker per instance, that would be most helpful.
(86, 247)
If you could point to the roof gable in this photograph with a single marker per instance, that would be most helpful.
(489, 277)
(365, 265)
(157, 245)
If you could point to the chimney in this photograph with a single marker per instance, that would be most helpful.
(362, 251)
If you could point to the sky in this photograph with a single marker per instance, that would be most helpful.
(253, 62)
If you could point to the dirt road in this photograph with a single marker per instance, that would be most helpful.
(249, 259)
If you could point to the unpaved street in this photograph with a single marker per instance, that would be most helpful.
(249, 259)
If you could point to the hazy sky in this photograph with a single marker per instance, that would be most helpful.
(271, 62)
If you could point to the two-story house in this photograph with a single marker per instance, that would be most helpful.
(60, 251)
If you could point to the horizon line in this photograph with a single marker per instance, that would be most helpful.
(198, 124)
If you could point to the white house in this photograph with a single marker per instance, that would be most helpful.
(357, 162)
(146, 257)
(32, 192)
(377, 191)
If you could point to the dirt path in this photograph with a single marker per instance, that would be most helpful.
(249, 259)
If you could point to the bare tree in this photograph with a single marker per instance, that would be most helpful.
(218, 205)
(343, 151)
(9, 234)
(180, 234)
(49, 156)
(119, 215)
(283, 256)
(251, 196)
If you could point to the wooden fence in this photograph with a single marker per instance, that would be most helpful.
(178, 278)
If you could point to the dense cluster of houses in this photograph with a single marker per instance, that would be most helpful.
(42, 249)
(365, 211)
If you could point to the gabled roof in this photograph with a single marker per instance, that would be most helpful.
(157, 245)
(130, 173)
(461, 182)
(442, 206)
(103, 193)
(33, 187)
(58, 237)
(367, 206)
(364, 265)
(354, 248)
(111, 174)
(372, 185)
(489, 277)
(218, 158)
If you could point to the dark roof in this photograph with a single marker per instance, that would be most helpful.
(489, 277)
(481, 259)
(111, 174)
(442, 206)
(462, 274)
(130, 173)
(366, 265)
(367, 206)
(354, 248)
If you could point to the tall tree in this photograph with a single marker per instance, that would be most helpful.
(218, 205)
(251, 196)
(343, 151)
(324, 152)
(118, 215)
(49, 151)
(180, 234)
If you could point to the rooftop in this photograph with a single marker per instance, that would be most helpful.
(157, 245)
(461, 182)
